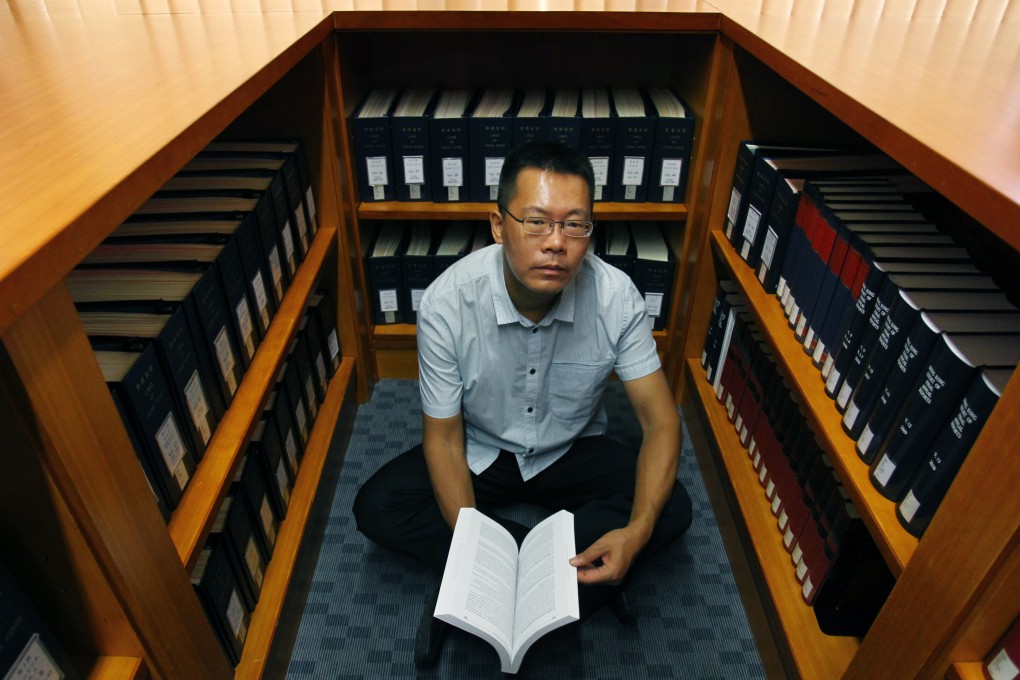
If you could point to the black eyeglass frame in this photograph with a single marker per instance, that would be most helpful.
(551, 224)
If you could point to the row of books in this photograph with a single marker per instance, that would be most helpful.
(177, 300)
(405, 257)
(913, 340)
(231, 567)
(28, 647)
(422, 144)
(833, 557)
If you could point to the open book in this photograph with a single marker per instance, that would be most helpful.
(507, 597)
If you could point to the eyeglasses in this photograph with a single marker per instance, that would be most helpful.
(539, 226)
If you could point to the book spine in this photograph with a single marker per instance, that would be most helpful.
(490, 140)
(738, 188)
(191, 388)
(411, 152)
(671, 160)
(373, 147)
(256, 275)
(597, 143)
(635, 139)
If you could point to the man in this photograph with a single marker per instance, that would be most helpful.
(515, 345)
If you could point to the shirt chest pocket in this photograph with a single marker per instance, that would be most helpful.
(575, 389)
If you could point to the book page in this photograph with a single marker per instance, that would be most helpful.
(477, 591)
(546, 583)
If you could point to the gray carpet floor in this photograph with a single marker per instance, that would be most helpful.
(364, 603)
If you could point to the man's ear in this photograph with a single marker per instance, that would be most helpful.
(496, 224)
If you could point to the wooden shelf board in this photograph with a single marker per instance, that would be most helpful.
(193, 518)
(399, 210)
(878, 513)
(815, 654)
(281, 567)
(966, 670)
(116, 668)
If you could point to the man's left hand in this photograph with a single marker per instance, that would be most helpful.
(607, 560)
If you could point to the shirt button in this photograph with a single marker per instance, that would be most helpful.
(530, 409)
(534, 330)
(532, 371)
(531, 450)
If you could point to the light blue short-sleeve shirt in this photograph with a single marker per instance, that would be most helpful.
(527, 388)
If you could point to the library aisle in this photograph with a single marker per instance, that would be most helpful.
(364, 603)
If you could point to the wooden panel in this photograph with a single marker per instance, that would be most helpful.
(204, 494)
(815, 655)
(878, 513)
(168, 85)
(85, 450)
(966, 557)
(281, 567)
(117, 668)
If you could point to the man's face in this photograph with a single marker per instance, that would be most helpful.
(538, 267)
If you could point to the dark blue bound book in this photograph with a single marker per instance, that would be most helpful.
(373, 146)
(448, 137)
(490, 138)
(411, 144)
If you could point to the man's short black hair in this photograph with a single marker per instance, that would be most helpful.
(548, 156)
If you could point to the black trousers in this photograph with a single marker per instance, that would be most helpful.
(397, 508)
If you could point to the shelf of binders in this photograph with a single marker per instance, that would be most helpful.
(403, 210)
(191, 521)
(288, 541)
(879, 515)
(815, 654)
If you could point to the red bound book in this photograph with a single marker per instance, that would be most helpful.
(1003, 662)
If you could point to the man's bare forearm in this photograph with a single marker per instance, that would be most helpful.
(445, 457)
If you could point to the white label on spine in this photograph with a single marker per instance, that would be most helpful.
(235, 615)
(808, 589)
(414, 192)
(493, 166)
(34, 663)
(671, 168)
(783, 519)
(388, 300)
(283, 483)
(653, 303)
(633, 171)
(864, 441)
(288, 248)
(844, 395)
(819, 351)
(832, 380)
(291, 446)
(266, 515)
(909, 506)
(453, 193)
(261, 299)
(667, 194)
(796, 554)
(414, 170)
(731, 209)
(801, 570)
(170, 444)
(320, 369)
(600, 164)
(416, 296)
(225, 358)
(334, 345)
(884, 470)
(1001, 667)
(376, 166)
(312, 211)
(277, 271)
(197, 406)
(379, 192)
(251, 557)
(302, 421)
(751, 224)
(245, 325)
(768, 249)
(302, 228)
(850, 417)
(313, 402)
(629, 193)
(453, 173)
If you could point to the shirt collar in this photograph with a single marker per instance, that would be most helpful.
(506, 313)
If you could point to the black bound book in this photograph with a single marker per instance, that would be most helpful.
(448, 137)
(290, 382)
(254, 488)
(633, 146)
(120, 326)
(564, 123)
(136, 444)
(373, 145)
(280, 409)
(904, 371)
(854, 321)
(671, 154)
(310, 341)
(306, 377)
(383, 265)
(151, 412)
(411, 144)
(28, 647)
(531, 118)
(894, 297)
(322, 305)
(215, 583)
(938, 388)
(234, 529)
(266, 450)
(943, 460)
(454, 244)
(290, 245)
(615, 246)
(654, 266)
(597, 139)
(490, 138)
(724, 288)
(416, 268)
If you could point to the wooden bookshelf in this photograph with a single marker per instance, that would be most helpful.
(105, 100)
(813, 654)
(895, 544)
(116, 668)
